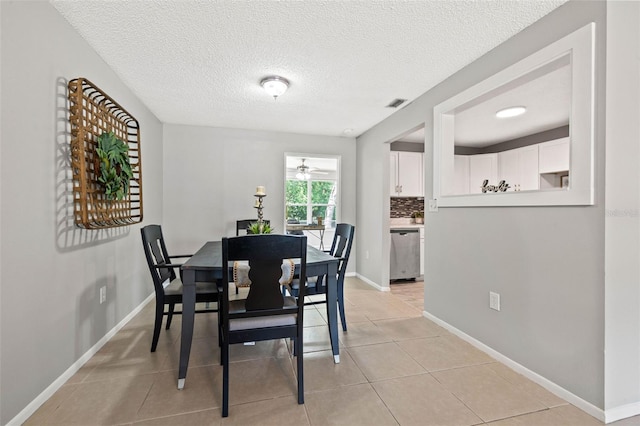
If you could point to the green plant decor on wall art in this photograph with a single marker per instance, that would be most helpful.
(115, 168)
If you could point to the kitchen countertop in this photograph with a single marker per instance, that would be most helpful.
(404, 223)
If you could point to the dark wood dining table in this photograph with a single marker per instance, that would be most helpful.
(206, 266)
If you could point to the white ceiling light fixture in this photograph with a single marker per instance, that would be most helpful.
(275, 85)
(511, 112)
(303, 172)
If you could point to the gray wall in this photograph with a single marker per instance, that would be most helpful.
(547, 135)
(407, 146)
(50, 271)
(546, 262)
(211, 174)
(622, 214)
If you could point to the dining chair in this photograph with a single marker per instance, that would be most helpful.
(340, 247)
(167, 285)
(265, 314)
(243, 225)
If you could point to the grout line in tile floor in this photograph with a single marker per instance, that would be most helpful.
(398, 368)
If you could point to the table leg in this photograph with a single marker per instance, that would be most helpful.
(188, 314)
(322, 239)
(332, 309)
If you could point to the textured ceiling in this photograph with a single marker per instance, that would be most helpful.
(200, 62)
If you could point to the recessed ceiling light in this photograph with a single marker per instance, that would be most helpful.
(511, 112)
(275, 85)
(347, 131)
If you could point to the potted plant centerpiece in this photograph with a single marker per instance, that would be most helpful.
(259, 228)
(418, 217)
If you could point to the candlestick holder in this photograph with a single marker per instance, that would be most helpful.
(259, 206)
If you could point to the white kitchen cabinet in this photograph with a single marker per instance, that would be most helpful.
(471, 170)
(406, 174)
(481, 167)
(519, 168)
(460, 174)
(509, 168)
(554, 156)
(393, 173)
(529, 168)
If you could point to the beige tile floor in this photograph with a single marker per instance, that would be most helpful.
(396, 367)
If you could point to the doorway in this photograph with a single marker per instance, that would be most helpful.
(406, 214)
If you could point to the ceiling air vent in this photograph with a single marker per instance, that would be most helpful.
(396, 103)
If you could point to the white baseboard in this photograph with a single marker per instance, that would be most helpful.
(28, 411)
(535, 377)
(372, 284)
(618, 413)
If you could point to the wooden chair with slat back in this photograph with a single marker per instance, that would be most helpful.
(341, 247)
(265, 314)
(163, 271)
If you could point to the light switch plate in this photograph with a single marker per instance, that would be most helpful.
(433, 205)
(494, 301)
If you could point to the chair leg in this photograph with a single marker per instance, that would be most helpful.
(157, 324)
(219, 312)
(219, 327)
(343, 318)
(225, 379)
(298, 346)
(172, 307)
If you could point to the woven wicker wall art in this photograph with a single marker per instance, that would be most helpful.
(92, 113)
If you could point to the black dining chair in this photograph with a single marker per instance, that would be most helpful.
(265, 314)
(163, 271)
(341, 247)
(243, 225)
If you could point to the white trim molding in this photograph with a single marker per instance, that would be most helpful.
(618, 413)
(373, 284)
(28, 411)
(557, 390)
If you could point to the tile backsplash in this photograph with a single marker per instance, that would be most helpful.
(405, 206)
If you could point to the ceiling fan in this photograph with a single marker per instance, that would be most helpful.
(303, 172)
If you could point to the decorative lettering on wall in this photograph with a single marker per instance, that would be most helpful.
(502, 186)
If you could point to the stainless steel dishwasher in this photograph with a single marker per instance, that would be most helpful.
(405, 253)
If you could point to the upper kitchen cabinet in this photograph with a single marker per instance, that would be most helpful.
(482, 167)
(554, 156)
(470, 172)
(406, 174)
(461, 174)
(554, 163)
(519, 168)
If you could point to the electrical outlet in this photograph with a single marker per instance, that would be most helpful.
(494, 301)
(366, 254)
(433, 205)
(103, 294)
